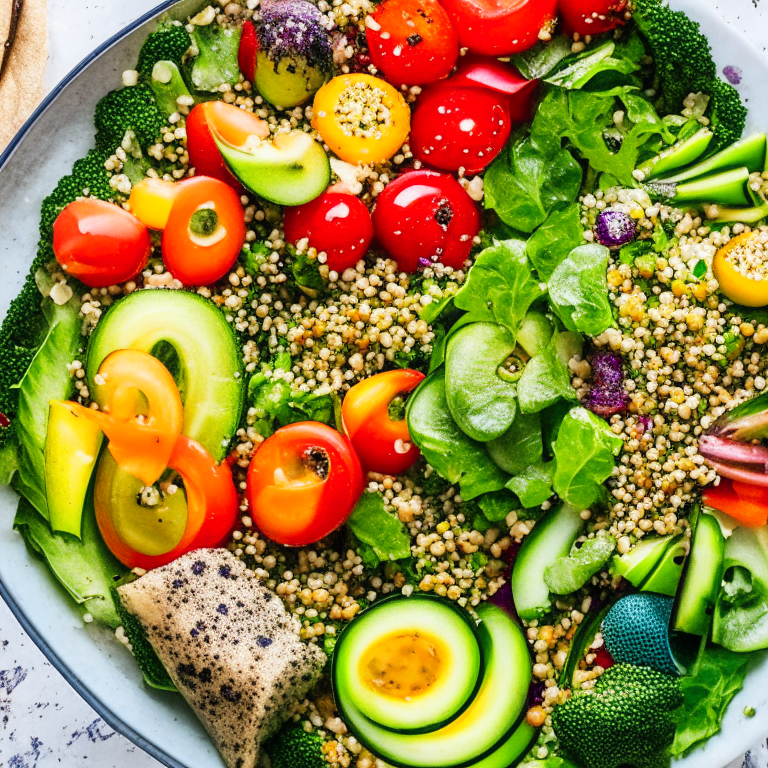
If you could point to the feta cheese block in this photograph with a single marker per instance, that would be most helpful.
(229, 645)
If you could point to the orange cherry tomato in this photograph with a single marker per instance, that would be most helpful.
(141, 439)
(748, 504)
(100, 243)
(335, 104)
(205, 231)
(233, 124)
(151, 201)
(382, 443)
(303, 483)
(211, 502)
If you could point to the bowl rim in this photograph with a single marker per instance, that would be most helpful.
(101, 709)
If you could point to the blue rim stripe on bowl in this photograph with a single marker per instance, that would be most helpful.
(101, 709)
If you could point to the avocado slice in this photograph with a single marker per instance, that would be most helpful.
(665, 577)
(490, 718)
(701, 582)
(436, 636)
(641, 560)
(292, 169)
(552, 538)
(191, 336)
(72, 446)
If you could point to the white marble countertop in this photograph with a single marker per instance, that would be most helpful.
(43, 722)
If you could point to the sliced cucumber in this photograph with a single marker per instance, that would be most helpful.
(495, 710)
(510, 749)
(727, 188)
(193, 339)
(551, 538)
(749, 153)
(701, 580)
(678, 156)
(665, 577)
(744, 215)
(642, 559)
(403, 638)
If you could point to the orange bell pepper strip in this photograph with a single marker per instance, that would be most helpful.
(141, 440)
(748, 504)
(212, 507)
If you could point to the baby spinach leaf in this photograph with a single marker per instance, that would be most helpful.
(500, 287)
(533, 486)
(453, 455)
(84, 567)
(526, 181)
(715, 679)
(545, 380)
(520, 446)
(567, 574)
(380, 530)
(551, 243)
(578, 290)
(584, 450)
(586, 66)
(498, 504)
(537, 62)
(481, 402)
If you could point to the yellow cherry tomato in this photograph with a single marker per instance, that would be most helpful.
(362, 118)
(735, 266)
(151, 201)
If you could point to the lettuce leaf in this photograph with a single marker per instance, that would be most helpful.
(380, 530)
(85, 568)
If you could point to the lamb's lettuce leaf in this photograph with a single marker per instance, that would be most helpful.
(591, 63)
(533, 486)
(551, 243)
(584, 451)
(84, 567)
(567, 574)
(544, 381)
(578, 290)
(537, 62)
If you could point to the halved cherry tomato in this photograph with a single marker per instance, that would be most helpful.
(233, 124)
(336, 223)
(499, 27)
(748, 504)
(459, 128)
(382, 442)
(303, 483)
(149, 537)
(151, 201)
(339, 101)
(591, 17)
(412, 41)
(141, 438)
(99, 243)
(249, 48)
(487, 72)
(423, 217)
(205, 231)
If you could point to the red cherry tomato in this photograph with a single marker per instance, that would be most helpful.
(499, 27)
(424, 217)
(494, 75)
(336, 223)
(205, 231)
(99, 243)
(233, 124)
(382, 443)
(303, 483)
(746, 503)
(456, 128)
(412, 41)
(249, 47)
(591, 17)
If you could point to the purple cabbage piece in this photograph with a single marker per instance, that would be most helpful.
(535, 695)
(607, 395)
(614, 228)
(294, 29)
(732, 74)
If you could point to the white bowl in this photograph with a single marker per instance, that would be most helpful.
(100, 669)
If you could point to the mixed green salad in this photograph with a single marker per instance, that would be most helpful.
(391, 380)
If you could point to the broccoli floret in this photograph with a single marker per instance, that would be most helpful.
(294, 747)
(150, 665)
(681, 52)
(727, 114)
(628, 718)
(129, 109)
(169, 43)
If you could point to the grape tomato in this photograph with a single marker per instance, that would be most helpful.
(591, 17)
